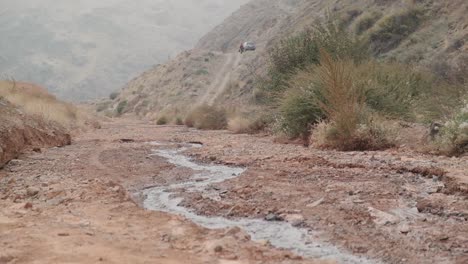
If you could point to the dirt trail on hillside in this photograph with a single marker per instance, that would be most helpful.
(83, 203)
(222, 78)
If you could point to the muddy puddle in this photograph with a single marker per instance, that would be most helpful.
(280, 234)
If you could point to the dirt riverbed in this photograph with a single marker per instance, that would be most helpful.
(83, 203)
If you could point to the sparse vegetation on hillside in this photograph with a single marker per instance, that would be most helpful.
(207, 117)
(121, 107)
(367, 21)
(297, 52)
(37, 101)
(349, 98)
(392, 29)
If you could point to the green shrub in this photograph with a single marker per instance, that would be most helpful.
(207, 117)
(121, 107)
(161, 121)
(391, 30)
(113, 96)
(366, 22)
(179, 121)
(392, 89)
(453, 137)
(297, 52)
(298, 111)
(202, 72)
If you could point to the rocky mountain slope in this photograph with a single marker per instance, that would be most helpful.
(439, 41)
(87, 49)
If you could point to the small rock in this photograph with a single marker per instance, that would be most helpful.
(264, 243)
(404, 229)
(443, 238)
(115, 188)
(32, 191)
(63, 234)
(273, 217)
(294, 219)
(358, 201)
(28, 206)
(15, 162)
(37, 150)
(316, 203)
(218, 249)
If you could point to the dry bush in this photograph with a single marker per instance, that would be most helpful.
(343, 102)
(179, 121)
(350, 125)
(371, 135)
(207, 117)
(247, 125)
(36, 101)
(453, 137)
(162, 121)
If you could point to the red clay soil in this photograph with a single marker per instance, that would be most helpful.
(20, 132)
(75, 204)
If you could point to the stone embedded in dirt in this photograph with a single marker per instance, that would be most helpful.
(37, 150)
(273, 217)
(404, 229)
(316, 203)
(64, 234)
(32, 191)
(28, 206)
(218, 249)
(294, 219)
(264, 242)
(15, 162)
(382, 218)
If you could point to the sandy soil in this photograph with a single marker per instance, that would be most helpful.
(77, 204)
(73, 205)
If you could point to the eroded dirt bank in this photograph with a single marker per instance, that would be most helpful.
(19, 132)
(73, 204)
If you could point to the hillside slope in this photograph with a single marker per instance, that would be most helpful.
(438, 41)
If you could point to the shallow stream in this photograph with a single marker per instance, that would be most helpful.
(280, 234)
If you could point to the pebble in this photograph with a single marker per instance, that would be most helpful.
(316, 203)
(273, 217)
(32, 191)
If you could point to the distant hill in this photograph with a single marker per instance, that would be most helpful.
(213, 72)
(87, 49)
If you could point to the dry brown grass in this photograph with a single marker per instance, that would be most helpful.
(207, 117)
(35, 100)
(343, 103)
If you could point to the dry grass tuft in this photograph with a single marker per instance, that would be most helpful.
(207, 118)
(36, 101)
(247, 125)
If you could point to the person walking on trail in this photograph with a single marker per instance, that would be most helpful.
(241, 49)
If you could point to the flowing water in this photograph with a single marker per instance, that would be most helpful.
(279, 234)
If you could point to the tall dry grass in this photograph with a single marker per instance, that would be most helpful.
(34, 100)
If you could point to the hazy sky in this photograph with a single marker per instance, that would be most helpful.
(83, 49)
